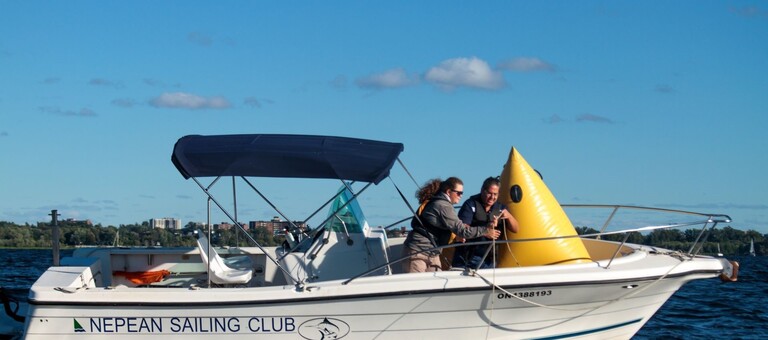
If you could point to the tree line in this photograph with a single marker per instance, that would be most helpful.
(730, 241)
(74, 234)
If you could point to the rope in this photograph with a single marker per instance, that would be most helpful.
(67, 290)
(493, 289)
(400, 317)
(492, 282)
(8, 300)
(587, 310)
(509, 245)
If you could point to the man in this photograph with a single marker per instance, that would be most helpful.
(483, 210)
(432, 227)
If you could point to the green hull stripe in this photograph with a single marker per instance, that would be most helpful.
(590, 331)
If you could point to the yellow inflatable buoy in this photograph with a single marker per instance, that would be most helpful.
(539, 215)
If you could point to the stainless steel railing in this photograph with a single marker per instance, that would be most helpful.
(707, 221)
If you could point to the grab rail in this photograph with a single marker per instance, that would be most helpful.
(693, 251)
(712, 219)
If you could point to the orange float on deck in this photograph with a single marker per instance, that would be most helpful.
(144, 278)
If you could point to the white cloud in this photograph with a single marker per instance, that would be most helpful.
(252, 102)
(340, 82)
(390, 79)
(181, 100)
(158, 83)
(152, 82)
(105, 83)
(664, 88)
(201, 39)
(83, 112)
(257, 102)
(750, 11)
(590, 118)
(554, 119)
(526, 64)
(469, 72)
(51, 80)
(124, 102)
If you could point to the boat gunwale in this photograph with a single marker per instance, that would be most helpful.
(300, 300)
(362, 283)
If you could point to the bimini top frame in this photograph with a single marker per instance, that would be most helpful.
(285, 156)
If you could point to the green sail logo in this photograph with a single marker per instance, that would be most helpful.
(78, 328)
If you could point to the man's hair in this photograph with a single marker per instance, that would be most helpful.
(488, 182)
(450, 183)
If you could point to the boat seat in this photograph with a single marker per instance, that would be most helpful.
(377, 252)
(220, 272)
(236, 262)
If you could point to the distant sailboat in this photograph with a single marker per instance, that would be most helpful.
(752, 247)
(719, 253)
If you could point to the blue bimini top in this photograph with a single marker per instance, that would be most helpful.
(291, 156)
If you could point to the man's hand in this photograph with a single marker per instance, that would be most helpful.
(493, 222)
(512, 224)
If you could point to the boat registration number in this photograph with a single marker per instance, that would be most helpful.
(525, 294)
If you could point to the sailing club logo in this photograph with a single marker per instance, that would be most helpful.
(323, 328)
(78, 328)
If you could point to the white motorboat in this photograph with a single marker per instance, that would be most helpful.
(344, 280)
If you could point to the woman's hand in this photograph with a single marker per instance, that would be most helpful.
(492, 233)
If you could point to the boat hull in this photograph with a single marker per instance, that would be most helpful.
(576, 301)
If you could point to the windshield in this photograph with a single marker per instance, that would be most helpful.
(351, 214)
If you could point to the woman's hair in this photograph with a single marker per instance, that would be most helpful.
(450, 183)
(428, 190)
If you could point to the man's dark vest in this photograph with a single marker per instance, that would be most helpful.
(481, 218)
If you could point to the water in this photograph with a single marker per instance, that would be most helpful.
(20, 268)
(702, 309)
(710, 309)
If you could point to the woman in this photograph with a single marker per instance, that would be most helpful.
(433, 225)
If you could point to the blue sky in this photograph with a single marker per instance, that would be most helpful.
(647, 103)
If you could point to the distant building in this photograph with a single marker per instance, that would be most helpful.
(274, 226)
(224, 226)
(165, 223)
(74, 221)
(197, 225)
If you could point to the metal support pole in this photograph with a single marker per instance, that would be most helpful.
(210, 241)
(237, 222)
(55, 236)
